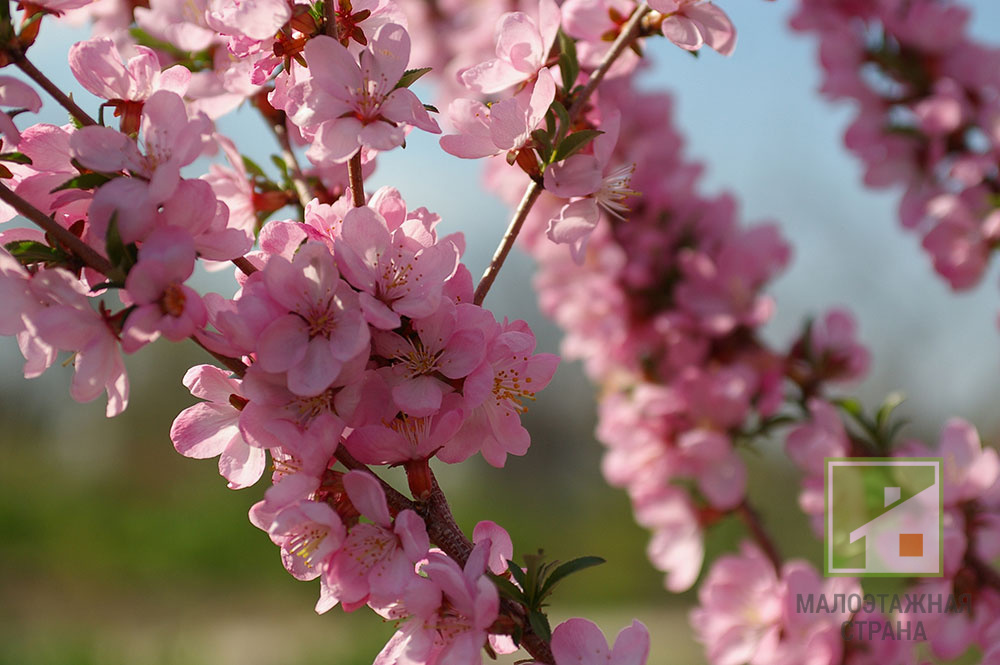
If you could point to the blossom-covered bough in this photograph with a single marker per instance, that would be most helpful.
(357, 339)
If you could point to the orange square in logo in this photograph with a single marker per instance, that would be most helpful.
(911, 544)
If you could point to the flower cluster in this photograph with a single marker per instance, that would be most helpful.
(354, 339)
(928, 109)
(357, 338)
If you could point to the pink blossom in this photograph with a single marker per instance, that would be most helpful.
(16, 94)
(833, 342)
(407, 438)
(591, 186)
(378, 558)
(97, 65)
(968, 470)
(346, 106)
(503, 127)
(496, 394)
(70, 323)
(309, 533)
(256, 19)
(580, 642)
(677, 547)
(692, 23)
(171, 141)
(164, 305)
(323, 328)
(522, 48)
(455, 630)
(398, 271)
(183, 25)
(447, 344)
(822, 436)
(211, 428)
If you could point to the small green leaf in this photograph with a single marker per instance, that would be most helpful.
(120, 255)
(16, 157)
(410, 76)
(84, 181)
(518, 574)
(574, 143)
(29, 252)
(550, 122)
(568, 568)
(569, 65)
(564, 124)
(431, 108)
(892, 401)
(851, 407)
(253, 167)
(508, 589)
(540, 624)
(541, 137)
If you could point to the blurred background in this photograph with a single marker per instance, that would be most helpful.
(114, 549)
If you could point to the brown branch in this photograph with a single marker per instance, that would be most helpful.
(625, 38)
(235, 365)
(750, 517)
(243, 263)
(87, 254)
(357, 180)
(531, 195)
(43, 81)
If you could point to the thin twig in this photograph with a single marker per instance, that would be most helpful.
(235, 365)
(82, 250)
(43, 81)
(625, 38)
(298, 180)
(357, 180)
(520, 215)
(759, 533)
(243, 263)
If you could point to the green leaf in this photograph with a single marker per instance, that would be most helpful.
(564, 124)
(431, 108)
(120, 255)
(410, 76)
(884, 412)
(253, 167)
(568, 568)
(83, 181)
(574, 143)
(541, 137)
(286, 179)
(16, 157)
(508, 589)
(518, 574)
(29, 252)
(851, 407)
(569, 65)
(540, 624)
(550, 122)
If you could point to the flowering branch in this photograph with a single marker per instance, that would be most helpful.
(625, 38)
(78, 247)
(25, 65)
